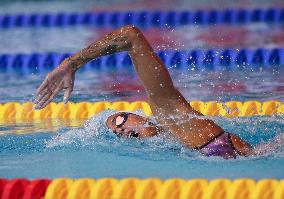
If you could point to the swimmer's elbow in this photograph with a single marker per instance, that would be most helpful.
(132, 32)
(242, 147)
(131, 29)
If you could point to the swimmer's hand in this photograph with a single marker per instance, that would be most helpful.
(59, 79)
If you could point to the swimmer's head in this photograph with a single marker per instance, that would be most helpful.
(127, 125)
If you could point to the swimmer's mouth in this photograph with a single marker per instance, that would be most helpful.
(133, 134)
(130, 134)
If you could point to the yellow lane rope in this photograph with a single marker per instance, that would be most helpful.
(154, 188)
(13, 111)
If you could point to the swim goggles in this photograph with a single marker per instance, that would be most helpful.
(119, 121)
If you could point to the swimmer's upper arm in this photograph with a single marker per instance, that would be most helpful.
(149, 67)
(153, 73)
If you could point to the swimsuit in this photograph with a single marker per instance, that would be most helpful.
(220, 146)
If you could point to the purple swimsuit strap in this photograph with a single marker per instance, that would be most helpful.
(212, 140)
(219, 146)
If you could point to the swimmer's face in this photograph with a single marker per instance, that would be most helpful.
(127, 125)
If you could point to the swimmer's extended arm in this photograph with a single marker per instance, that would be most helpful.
(149, 67)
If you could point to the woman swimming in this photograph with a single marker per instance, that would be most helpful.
(167, 103)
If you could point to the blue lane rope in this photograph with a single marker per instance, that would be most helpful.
(196, 59)
(144, 19)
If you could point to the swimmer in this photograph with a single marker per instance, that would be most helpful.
(168, 105)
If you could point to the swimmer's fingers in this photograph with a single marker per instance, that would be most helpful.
(55, 92)
(42, 86)
(44, 91)
(67, 94)
(42, 100)
(69, 89)
(40, 95)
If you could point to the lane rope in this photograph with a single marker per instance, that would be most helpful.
(144, 19)
(13, 111)
(135, 188)
(191, 60)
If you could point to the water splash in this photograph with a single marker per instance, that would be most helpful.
(94, 128)
(274, 145)
(94, 135)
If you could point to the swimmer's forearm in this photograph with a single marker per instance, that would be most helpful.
(116, 41)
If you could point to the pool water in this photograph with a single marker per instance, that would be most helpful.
(108, 85)
(38, 150)
(93, 151)
(71, 39)
(87, 5)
